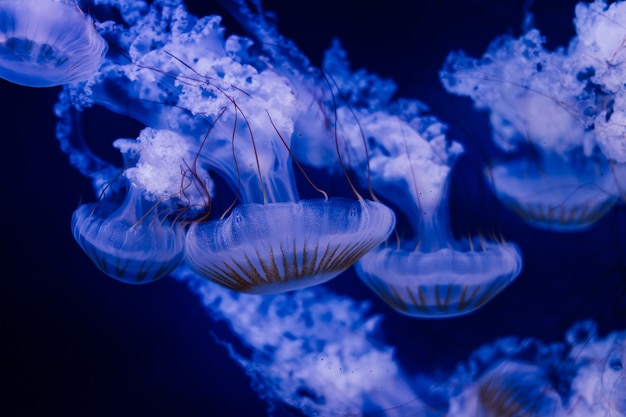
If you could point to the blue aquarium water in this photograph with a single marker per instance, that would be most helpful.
(385, 210)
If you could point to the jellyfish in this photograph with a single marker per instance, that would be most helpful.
(429, 273)
(553, 194)
(309, 349)
(509, 388)
(544, 109)
(600, 29)
(273, 241)
(129, 243)
(45, 43)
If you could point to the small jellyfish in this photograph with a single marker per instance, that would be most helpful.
(130, 243)
(45, 43)
(549, 111)
(555, 194)
(432, 275)
(509, 388)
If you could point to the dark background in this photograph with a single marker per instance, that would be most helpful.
(77, 343)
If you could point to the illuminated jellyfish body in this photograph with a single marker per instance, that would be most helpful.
(508, 388)
(408, 161)
(276, 247)
(274, 242)
(430, 274)
(552, 194)
(133, 242)
(583, 377)
(130, 244)
(235, 115)
(544, 106)
(45, 43)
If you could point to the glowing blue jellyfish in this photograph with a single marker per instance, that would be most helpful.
(515, 377)
(276, 247)
(598, 47)
(218, 108)
(44, 43)
(407, 161)
(273, 242)
(509, 388)
(131, 244)
(546, 106)
(553, 194)
(429, 273)
(134, 243)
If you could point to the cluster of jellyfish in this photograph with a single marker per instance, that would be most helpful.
(209, 190)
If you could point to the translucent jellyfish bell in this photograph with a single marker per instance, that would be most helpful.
(509, 388)
(277, 247)
(600, 382)
(555, 194)
(130, 243)
(429, 273)
(275, 242)
(44, 43)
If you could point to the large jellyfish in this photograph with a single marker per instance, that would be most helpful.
(45, 43)
(426, 272)
(547, 107)
(235, 117)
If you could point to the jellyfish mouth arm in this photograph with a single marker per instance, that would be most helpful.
(559, 100)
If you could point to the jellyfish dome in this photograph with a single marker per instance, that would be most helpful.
(549, 109)
(276, 247)
(131, 244)
(140, 239)
(273, 241)
(45, 43)
(554, 194)
(509, 388)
